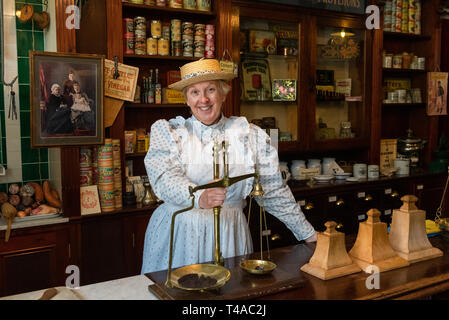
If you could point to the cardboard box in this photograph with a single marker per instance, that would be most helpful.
(388, 151)
(173, 76)
(173, 96)
(343, 86)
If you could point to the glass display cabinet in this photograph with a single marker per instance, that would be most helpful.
(303, 76)
(340, 94)
(269, 73)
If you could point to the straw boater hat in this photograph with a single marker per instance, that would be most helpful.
(201, 70)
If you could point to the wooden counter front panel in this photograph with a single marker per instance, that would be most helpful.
(33, 262)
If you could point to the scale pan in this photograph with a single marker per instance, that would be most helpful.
(220, 275)
(257, 266)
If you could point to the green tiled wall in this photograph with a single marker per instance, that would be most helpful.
(2, 124)
(34, 161)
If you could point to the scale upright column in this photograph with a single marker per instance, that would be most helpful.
(218, 259)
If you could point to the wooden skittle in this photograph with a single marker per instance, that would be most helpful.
(330, 259)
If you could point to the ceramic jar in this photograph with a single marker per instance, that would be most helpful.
(403, 165)
(327, 162)
(359, 170)
(296, 166)
(373, 171)
(314, 163)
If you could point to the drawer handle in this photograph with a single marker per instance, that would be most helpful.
(395, 194)
(368, 198)
(309, 206)
(275, 237)
(340, 202)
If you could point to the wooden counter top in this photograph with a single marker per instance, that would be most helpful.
(418, 280)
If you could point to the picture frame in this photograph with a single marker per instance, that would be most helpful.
(67, 92)
(437, 86)
(284, 89)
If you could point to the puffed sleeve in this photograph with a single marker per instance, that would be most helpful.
(278, 199)
(164, 167)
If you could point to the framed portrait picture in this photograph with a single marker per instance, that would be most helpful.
(437, 93)
(66, 99)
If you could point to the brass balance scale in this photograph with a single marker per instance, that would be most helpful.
(443, 222)
(215, 275)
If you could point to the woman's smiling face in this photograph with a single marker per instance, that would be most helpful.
(205, 101)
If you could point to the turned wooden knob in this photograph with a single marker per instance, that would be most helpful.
(330, 227)
(373, 216)
(408, 203)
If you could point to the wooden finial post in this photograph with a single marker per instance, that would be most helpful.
(372, 246)
(408, 235)
(330, 259)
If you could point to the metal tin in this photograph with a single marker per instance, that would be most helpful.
(163, 47)
(187, 27)
(140, 23)
(397, 61)
(402, 95)
(421, 63)
(166, 31)
(416, 95)
(417, 17)
(128, 26)
(406, 60)
(156, 29)
(161, 3)
(86, 176)
(404, 16)
(411, 16)
(398, 16)
(152, 47)
(140, 34)
(203, 5)
(128, 46)
(85, 157)
(387, 61)
(189, 4)
(140, 46)
(175, 4)
(176, 48)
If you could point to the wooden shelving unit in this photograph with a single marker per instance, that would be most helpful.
(154, 106)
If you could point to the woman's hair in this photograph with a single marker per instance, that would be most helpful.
(54, 86)
(222, 87)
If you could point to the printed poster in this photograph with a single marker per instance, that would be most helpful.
(437, 93)
(90, 200)
(124, 87)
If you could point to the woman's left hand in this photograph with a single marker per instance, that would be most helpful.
(312, 238)
(211, 198)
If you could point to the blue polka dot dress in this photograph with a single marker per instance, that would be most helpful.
(180, 155)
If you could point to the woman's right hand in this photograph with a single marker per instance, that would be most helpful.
(211, 198)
